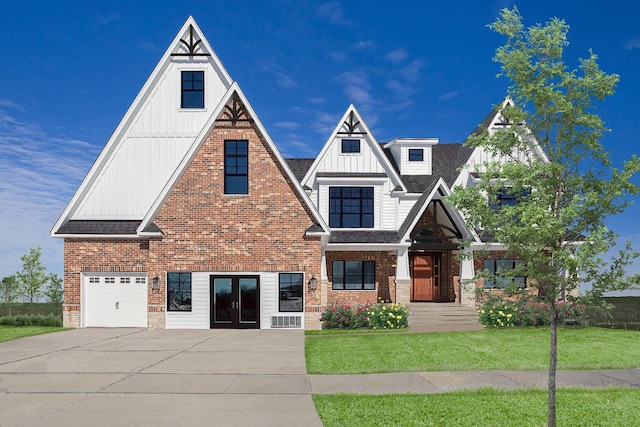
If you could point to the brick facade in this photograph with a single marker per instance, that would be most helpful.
(206, 230)
(385, 277)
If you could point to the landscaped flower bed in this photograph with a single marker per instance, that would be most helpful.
(382, 315)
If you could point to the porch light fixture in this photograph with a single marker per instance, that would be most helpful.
(313, 284)
(155, 283)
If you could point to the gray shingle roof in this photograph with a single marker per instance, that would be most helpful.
(105, 227)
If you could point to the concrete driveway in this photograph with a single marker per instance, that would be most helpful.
(127, 377)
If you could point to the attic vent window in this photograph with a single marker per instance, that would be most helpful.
(416, 155)
(350, 145)
(192, 89)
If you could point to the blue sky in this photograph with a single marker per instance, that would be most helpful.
(70, 70)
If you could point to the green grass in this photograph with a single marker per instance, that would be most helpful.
(12, 332)
(484, 407)
(507, 349)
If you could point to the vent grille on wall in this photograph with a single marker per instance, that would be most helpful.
(286, 321)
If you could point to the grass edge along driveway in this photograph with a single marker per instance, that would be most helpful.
(13, 332)
(488, 349)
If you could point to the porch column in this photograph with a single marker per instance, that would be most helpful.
(403, 277)
(467, 282)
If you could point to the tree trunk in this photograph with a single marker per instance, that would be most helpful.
(553, 362)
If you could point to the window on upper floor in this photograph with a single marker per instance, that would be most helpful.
(353, 275)
(509, 197)
(351, 207)
(236, 167)
(178, 291)
(192, 89)
(416, 154)
(350, 146)
(498, 276)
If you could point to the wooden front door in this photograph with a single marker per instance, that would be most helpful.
(235, 302)
(425, 278)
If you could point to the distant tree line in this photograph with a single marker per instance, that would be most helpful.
(32, 282)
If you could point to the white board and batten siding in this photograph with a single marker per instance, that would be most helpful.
(200, 315)
(114, 300)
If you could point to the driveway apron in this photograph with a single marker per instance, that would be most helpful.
(147, 377)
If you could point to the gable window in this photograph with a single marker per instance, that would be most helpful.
(178, 291)
(350, 145)
(508, 197)
(351, 207)
(416, 155)
(291, 289)
(354, 275)
(192, 89)
(498, 274)
(236, 167)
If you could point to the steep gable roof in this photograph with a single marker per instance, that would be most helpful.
(151, 138)
(234, 94)
(352, 126)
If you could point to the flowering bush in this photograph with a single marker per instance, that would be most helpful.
(497, 311)
(388, 316)
(343, 316)
(367, 316)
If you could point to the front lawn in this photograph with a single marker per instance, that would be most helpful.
(484, 407)
(507, 349)
(12, 332)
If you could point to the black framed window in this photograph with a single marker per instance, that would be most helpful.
(508, 197)
(291, 290)
(354, 275)
(416, 155)
(236, 167)
(192, 89)
(350, 145)
(498, 276)
(178, 291)
(351, 207)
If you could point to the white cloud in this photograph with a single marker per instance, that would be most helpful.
(333, 12)
(633, 43)
(365, 45)
(106, 19)
(318, 100)
(397, 56)
(38, 174)
(450, 95)
(287, 125)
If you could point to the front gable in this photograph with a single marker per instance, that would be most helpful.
(352, 157)
(210, 229)
(153, 136)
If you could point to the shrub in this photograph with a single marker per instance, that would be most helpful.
(388, 316)
(365, 316)
(497, 311)
(343, 316)
(28, 320)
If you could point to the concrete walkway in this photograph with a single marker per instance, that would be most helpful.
(138, 377)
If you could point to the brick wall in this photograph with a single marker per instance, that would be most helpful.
(385, 274)
(206, 230)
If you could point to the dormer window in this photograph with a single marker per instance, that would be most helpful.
(350, 146)
(192, 89)
(416, 154)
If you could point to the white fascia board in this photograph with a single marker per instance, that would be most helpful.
(351, 180)
(195, 147)
(124, 124)
(412, 142)
(488, 246)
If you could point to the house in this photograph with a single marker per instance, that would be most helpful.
(191, 218)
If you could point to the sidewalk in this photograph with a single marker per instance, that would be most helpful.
(440, 382)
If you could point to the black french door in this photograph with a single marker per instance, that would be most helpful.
(235, 302)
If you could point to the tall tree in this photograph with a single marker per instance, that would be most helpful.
(566, 190)
(32, 277)
(9, 291)
(55, 289)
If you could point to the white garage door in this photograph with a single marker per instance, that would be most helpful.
(115, 300)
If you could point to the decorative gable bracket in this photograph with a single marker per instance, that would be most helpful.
(351, 123)
(235, 111)
(191, 45)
